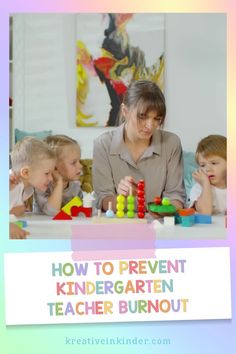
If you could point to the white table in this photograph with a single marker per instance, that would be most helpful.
(43, 227)
(216, 230)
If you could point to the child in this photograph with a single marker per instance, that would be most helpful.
(208, 195)
(32, 165)
(66, 183)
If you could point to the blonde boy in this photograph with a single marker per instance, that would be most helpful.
(66, 183)
(32, 165)
(208, 195)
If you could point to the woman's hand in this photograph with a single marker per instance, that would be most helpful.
(126, 185)
(201, 177)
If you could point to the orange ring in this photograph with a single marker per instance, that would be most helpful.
(186, 212)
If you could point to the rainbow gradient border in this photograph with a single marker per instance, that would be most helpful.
(186, 337)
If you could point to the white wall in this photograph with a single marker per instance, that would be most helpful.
(44, 84)
(195, 76)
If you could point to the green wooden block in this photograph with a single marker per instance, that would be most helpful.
(19, 223)
(169, 209)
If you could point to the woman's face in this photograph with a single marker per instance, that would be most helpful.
(141, 126)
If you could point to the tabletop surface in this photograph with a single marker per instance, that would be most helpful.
(43, 227)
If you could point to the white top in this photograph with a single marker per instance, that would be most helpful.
(219, 198)
(19, 194)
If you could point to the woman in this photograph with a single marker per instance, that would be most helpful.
(139, 149)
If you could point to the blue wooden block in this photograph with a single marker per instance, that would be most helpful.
(202, 219)
(177, 219)
(187, 221)
(23, 222)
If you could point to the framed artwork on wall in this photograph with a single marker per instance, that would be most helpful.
(113, 50)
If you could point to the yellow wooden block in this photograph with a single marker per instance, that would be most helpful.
(76, 201)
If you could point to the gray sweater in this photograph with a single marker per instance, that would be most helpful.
(41, 198)
(160, 166)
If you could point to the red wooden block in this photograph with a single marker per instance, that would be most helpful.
(141, 208)
(75, 211)
(157, 200)
(141, 201)
(141, 185)
(140, 193)
(62, 216)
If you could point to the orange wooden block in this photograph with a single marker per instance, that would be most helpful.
(186, 212)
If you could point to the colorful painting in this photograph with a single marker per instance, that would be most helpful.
(113, 50)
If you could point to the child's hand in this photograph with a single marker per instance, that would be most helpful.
(56, 176)
(201, 177)
(16, 232)
(18, 210)
(13, 180)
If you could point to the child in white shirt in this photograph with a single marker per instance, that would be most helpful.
(208, 195)
(66, 183)
(32, 165)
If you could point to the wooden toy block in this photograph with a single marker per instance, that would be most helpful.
(86, 211)
(76, 201)
(75, 211)
(202, 219)
(141, 215)
(170, 209)
(177, 218)
(165, 201)
(169, 220)
(141, 184)
(186, 212)
(62, 216)
(21, 223)
(187, 221)
(130, 205)
(141, 199)
(88, 199)
(110, 212)
(157, 200)
(24, 223)
(120, 206)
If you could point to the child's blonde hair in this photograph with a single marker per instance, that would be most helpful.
(212, 145)
(57, 142)
(29, 151)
